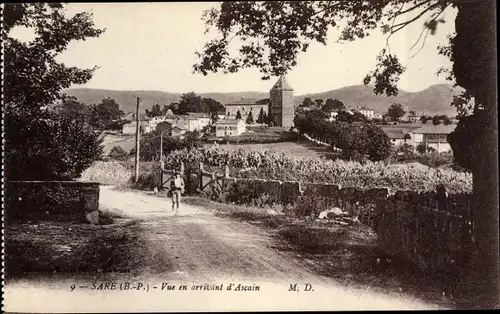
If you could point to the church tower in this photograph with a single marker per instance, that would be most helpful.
(281, 111)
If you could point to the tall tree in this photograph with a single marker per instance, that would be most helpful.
(272, 34)
(249, 119)
(261, 118)
(190, 102)
(41, 145)
(308, 103)
(333, 105)
(238, 115)
(109, 110)
(155, 111)
(395, 111)
(212, 106)
(436, 120)
(319, 103)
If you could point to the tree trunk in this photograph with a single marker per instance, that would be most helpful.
(482, 280)
(474, 66)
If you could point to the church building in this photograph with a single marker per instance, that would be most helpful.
(279, 108)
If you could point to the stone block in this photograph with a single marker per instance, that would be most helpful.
(407, 196)
(346, 194)
(290, 191)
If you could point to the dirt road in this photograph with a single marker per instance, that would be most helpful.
(203, 251)
(198, 246)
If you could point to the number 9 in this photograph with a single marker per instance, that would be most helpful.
(72, 287)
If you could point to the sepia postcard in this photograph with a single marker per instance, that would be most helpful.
(249, 156)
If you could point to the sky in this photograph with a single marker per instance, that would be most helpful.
(151, 46)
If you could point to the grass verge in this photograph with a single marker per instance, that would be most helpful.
(346, 253)
(72, 249)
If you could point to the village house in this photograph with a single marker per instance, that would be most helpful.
(191, 121)
(434, 136)
(130, 116)
(378, 115)
(398, 136)
(178, 131)
(244, 106)
(204, 119)
(229, 127)
(221, 115)
(129, 128)
(368, 113)
(153, 122)
(332, 116)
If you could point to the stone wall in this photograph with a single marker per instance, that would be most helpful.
(432, 230)
(52, 200)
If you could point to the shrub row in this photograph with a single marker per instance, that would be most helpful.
(279, 166)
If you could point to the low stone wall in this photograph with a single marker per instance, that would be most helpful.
(52, 200)
(432, 230)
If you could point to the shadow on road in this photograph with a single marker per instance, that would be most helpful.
(346, 254)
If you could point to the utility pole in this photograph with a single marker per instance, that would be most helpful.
(161, 149)
(137, 141)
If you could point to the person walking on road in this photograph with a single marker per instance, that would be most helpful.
(177, 189)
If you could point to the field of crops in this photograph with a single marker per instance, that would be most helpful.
(284, 166)
(127, 142)
(304, 149)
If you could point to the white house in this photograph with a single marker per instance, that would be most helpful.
(433, 136)
(221, 115)
(178, 131)
(398, 136)
(204, 119)
(229, 127)
(333, 116)
(368, 113)
(129, 128)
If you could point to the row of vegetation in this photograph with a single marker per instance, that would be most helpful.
(358, 141)
(280, 166)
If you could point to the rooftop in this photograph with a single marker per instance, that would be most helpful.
(198, 114)
(228, 121)
(282, 83)
(180, 127)
(396, 133)
(242, 101)
(430, 128)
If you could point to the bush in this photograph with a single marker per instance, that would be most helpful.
(148, 179)
(257, 135)
(108, 173)
(150, 144)
(435, 159)
(405, 153)
(118, 153)
(50, 148)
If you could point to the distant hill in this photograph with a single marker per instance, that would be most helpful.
(434, 100)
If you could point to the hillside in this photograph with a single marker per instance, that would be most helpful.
(127, 99)
(434, 100)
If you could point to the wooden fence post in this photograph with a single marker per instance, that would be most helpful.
(200, 179)
(214, 180)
